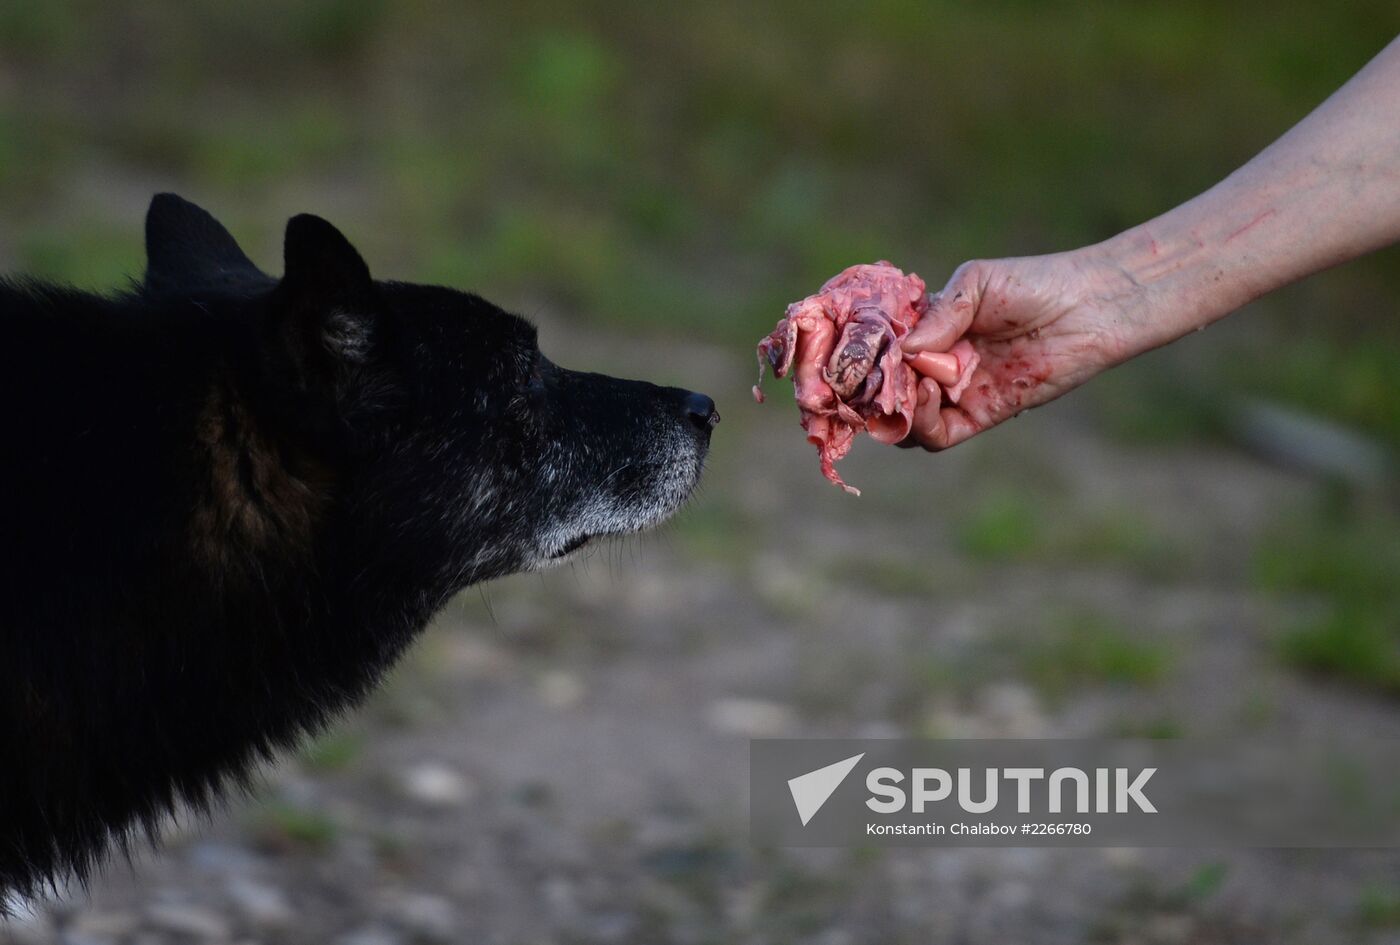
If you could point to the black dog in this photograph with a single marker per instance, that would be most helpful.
(229, 502)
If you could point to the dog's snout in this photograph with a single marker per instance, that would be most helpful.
(701, 411)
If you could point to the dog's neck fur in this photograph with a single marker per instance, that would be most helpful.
(253, 620)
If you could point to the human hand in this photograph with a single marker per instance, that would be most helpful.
(1042, 326)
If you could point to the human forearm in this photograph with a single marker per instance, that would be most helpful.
(1326, 192)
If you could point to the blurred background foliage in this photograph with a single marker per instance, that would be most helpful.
(683, 170)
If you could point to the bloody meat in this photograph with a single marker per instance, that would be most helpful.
(842, 347)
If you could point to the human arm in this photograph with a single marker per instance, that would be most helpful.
(1326, 192)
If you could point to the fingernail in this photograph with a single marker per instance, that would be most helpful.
(913, 340)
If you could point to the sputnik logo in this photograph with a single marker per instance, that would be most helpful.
(811, 790)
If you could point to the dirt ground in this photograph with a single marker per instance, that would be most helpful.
(563, 758)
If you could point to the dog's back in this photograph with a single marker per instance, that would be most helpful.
(107, 627)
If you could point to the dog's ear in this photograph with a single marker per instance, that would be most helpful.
(187, 250)
(328, 304)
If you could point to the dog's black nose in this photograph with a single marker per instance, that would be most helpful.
(701, 411)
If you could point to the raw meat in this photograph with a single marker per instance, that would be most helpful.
(842, 346)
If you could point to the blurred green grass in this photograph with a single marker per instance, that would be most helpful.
(280, 826)
(1026, 525)
(333, 751)
(1088, 649)
(1342, 558)
(667, 169)
(1379, 907)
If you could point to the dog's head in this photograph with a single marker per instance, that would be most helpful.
(453, 443)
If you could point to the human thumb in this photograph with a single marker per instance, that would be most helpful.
(949, 314)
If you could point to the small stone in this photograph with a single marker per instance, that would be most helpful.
(436, 785)
(297, 790)
(559, 896)
(79, 937)
(1168, 929)
(1121, 857)
(611, 927)
(369, 935)
(560, 690)
(1012, 895)
(262, 905)
(879, 728)
(1012, 710)
(754, 718)
(650, 596)
(777, 581)
(946, 720)
(101, 927)
(473, 657)
(188, 920)
(744, 905)
(221, 858)
(427, 916)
